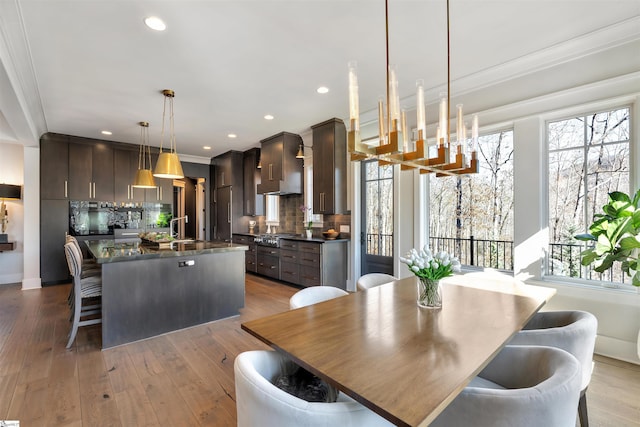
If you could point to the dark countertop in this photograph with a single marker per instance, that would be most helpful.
(106, 251)
(314, 239)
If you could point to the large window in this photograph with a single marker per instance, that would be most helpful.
(588, 158)
(472, 215)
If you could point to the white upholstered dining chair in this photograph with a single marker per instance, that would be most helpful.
(573, 331)
(313, 295)
(372, 280)
(259, 403)
(524, 386)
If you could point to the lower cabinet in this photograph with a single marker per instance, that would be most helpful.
(251, 255)
(269, 262)
(314, 263)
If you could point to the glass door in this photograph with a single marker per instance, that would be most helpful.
(377, 218)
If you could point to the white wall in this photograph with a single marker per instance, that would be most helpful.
(12, 172)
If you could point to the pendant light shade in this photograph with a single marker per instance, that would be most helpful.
(144, 176)
(168, 165)
(144, 179)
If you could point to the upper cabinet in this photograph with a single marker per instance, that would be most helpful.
(228, 168)
(330, 167)
(228, 196)
(281, 172)
(253, 202)
(90, 170)
(125, 165)
(54, 167)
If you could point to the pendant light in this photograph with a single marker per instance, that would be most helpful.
(144, 176)
(168, 165)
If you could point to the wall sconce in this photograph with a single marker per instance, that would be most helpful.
(300, 154)
(7, 192)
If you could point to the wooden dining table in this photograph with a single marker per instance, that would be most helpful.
(402, 361)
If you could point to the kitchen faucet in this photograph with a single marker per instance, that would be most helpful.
(173, 221)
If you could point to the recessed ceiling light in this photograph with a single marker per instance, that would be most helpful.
(206, 147)
(232, 135)
(322, 89)
(106, 132)
(155, 23)
(268, 117)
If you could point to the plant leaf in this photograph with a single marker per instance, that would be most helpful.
(630, 242)
(585, 237)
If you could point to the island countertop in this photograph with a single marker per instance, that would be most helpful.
(106, 251)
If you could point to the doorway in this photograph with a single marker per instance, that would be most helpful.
(377, 218)
(189, 201)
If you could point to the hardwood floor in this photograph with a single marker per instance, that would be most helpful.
(181, 379)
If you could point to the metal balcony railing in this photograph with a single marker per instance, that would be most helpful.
(496, 254)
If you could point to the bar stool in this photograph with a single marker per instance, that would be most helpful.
(84, 309)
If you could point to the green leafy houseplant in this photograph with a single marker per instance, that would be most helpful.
(615, 236)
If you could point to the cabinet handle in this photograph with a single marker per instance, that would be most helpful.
(94, 190)
(307, 259)
(129, 192)
(229, 213)
(248, 206)
(90, 190)
(270, 171)
(222, 177)
(161, 193)
(66, 187)
(322, 202)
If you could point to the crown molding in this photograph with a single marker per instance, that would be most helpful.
(21, 103)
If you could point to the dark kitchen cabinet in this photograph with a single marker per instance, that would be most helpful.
(228, 198)
(314, 263)
(90, 170)
(253, 202)
(229, 169)
(281, 172)
(125, 167)
(224, 213)
(329, 167)
(54, 166)
(54, 224)
(163, 193)
(269, 262)
(251, 255)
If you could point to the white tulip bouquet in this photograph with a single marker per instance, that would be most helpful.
(423, 263)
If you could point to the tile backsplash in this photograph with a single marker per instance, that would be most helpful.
(292, 219)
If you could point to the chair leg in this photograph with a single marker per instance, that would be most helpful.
(76, 322)
(582, 409)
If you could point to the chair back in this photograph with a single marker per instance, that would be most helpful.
(313, 295)
(522, 386)
(573, 331)
(372, 280)
(74, 259)
(259, 403)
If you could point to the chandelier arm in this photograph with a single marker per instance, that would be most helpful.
(448, 80)
(386, 23)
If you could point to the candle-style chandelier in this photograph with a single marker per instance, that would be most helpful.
(451, 157)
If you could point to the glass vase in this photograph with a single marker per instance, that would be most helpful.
(429, 293)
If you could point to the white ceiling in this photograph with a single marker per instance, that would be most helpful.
(79, 67)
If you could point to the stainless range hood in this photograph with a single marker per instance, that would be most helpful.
(281, 172)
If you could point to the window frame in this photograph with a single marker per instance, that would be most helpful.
(568, 115)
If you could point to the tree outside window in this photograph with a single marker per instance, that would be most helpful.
(588, 159)
(472, 215)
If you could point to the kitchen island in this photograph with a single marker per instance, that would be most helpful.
(149, 290)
